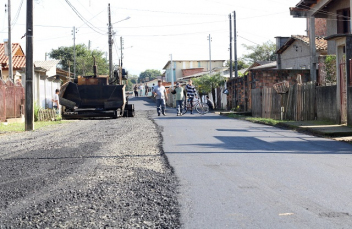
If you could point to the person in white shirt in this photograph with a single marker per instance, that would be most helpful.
(160, 95)
(141, 87)
(56, 100)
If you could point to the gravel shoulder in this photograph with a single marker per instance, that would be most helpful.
(88, 174)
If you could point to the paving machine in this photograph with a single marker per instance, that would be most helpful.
(93, 96)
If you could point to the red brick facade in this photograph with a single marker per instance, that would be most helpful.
(191, 71)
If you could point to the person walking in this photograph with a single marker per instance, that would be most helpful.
(160, 95)
(135, 90)
(179, 98)
(191, 93)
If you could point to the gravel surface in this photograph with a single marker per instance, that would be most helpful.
(88, 174)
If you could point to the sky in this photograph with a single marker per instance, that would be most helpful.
(155, 28)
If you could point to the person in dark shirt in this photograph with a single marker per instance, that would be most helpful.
(191, 93)
(210, 103)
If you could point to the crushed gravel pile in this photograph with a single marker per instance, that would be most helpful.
(88, 174)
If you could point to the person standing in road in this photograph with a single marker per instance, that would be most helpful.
(160, 95)
(135, 90)
(191, 93)
(146, 89)
(141, 89)
(179, 99)
(56, 101)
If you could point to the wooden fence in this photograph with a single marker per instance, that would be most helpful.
(299, 103)
(11, 100)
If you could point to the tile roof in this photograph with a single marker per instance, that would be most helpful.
(47, 64)
(18, 59)
(320, 43)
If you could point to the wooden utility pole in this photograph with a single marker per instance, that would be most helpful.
(110, 44)
(235, 42)
(230, 46)
(9, 41)
(74, 31)
(121, 62)
(29, 114)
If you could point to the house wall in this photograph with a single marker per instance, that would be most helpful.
(349, 106)
(179, 65)
(332, 22)
(297, 56)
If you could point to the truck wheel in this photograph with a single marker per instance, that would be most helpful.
(131, 113)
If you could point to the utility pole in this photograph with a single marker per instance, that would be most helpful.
(122, 47)
(230, 46)
(110, 43)
(121, 62)
(209, 39)
(89, 45)
(9, 41)
(235, 44)
(172, 72)
(29, 114)
(74, 31)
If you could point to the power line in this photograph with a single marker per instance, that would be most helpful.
(172, 12)
(248, 40)
(90, 25)
(17, 14)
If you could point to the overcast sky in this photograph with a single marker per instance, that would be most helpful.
(156, 28)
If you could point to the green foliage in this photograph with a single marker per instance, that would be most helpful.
(133, 79)
(263, 52)
(241, 64)
(207, 84)
(84, 59)
(330, 68)
(151, 73)
(36, 109)
(129, 85)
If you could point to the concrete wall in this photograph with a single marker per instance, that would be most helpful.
(297, 56)
(326, 103)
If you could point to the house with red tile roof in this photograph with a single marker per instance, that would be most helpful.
(295, 52)
(18, 62)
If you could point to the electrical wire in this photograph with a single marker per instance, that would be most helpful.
(171, 12)
(17, 14)
(90, 25)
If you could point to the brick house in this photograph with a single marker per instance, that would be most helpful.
(18, 62)
(184, 68)
(338, 35)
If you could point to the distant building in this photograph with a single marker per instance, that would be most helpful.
(18, 62)
(183, 68)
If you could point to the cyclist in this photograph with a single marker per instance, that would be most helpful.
(191, 93)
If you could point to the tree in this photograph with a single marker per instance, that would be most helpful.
(133, 79)
(150, 73)
(241, 64)
(207, 84)
(264, 52)
(84, 59)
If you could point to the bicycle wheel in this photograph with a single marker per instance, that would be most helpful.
(202, 108)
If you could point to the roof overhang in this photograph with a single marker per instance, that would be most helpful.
(308, 8)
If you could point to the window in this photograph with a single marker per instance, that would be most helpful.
(343, 21)
(199, 64)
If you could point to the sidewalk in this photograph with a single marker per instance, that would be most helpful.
(335, 131)
(318, 128)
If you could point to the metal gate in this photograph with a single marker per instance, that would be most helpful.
(11, 100)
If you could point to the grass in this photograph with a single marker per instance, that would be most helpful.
(19, 127)
(267, 121)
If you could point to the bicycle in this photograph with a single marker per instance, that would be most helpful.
(201, 108)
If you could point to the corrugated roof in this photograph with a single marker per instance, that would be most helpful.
(320, 43)
(46, 64)
(18, 58)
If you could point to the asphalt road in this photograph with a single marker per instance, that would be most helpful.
(107, 173)
(237, 174)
